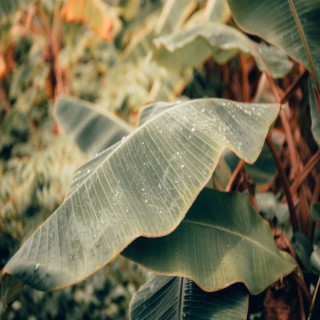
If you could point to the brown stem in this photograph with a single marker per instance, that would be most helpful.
(285, 183)
(314, 298)
(290, 141)
(286, 127)
(294, 86)
(234, 175)
(217, 184)
(4, 98)
(245, 82)
(311, 164)
(305, 219)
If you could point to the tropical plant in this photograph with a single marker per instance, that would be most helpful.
(175, 194)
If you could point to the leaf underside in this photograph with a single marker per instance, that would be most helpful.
(142, 186)
(168, 298)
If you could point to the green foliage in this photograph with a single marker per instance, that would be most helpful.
(292, 26)
(147, 193)
(192, 46)
(118, 198)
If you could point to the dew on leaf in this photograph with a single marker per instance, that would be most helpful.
(36, 268)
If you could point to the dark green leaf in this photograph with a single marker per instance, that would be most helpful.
(168, 298)
(292, 25)
(220, 241)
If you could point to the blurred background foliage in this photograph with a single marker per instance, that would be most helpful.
(101, 51)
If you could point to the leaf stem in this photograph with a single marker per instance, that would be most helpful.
(286, 127)
(244, 76)
(311, 164)
(285, 183)
(234, 175)
(315, 295)
(294, 86)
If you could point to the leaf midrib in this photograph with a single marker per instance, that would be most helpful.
(236, 234)
(181, 297)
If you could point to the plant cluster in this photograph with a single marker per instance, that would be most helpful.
(216, 193)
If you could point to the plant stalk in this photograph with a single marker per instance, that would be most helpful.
(285, 184)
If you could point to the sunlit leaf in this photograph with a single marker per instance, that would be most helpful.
(93, 13)
(93, 130)
(292, 25)
(192, 46)
(220, 241)
(142, 186)
(168, 298)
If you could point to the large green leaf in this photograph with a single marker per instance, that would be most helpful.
(9, 6)
(93, 130)
(221, 241)
(191, 46)
(292, 25)
(168, 298)
(142, 186)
